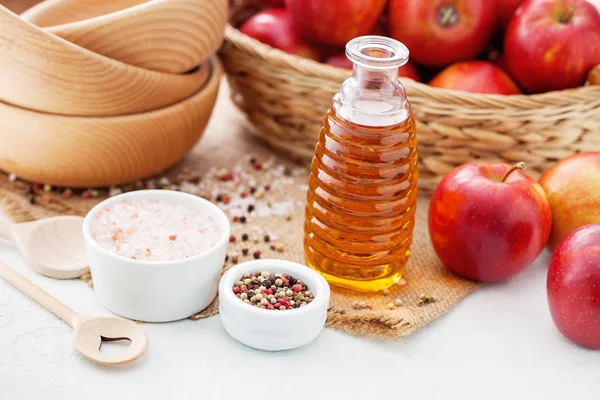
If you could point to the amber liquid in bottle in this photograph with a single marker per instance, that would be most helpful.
(362, 189)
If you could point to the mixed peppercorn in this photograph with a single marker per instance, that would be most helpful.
(272, 291)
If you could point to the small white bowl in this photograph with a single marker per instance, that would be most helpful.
(157, 291)
(273, 330)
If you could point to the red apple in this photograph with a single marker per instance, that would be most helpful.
(506, 9)
(475, 77)
(275, 28)
(552, 44)
(335, 21)
(488, 221)
(572, 186)
(273, 3)
(339, 60)
(408, 70)
(573, 286)
(441, 32)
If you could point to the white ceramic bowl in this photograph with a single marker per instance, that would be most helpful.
(269, 329)
(157, 291)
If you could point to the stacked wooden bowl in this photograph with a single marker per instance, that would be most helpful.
(98, 93)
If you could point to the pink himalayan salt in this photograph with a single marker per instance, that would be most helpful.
(153, 230)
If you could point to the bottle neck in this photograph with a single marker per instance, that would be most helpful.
(379, 79)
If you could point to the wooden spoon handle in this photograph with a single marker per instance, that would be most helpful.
(6, 230)
(37, 294)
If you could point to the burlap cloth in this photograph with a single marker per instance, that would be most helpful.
(226, 142)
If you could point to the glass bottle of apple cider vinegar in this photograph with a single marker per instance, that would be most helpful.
(362, 188)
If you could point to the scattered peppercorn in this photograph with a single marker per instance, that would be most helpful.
(231, 238)
(267, 238)
(227, 200)
(243, 219)
(386, 292)
(86, 195)
(31, 200)
(245, 252)
(398, 302)
(244, 237)
(250, 208)
(267, 188)
(257, 254)
(219, 198)
(234, 259)
(252, 190)
(426, 299)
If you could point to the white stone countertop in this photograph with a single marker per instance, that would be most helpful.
(499, 343)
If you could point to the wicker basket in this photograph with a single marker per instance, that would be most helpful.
(285, 98)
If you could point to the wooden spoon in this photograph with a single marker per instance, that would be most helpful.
(43, 72)
(90, 332)
(162, 35)
(54, 247)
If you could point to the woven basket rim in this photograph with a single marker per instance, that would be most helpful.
(320, 70)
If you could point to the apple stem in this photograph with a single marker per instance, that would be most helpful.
(569, 15)
(520, 165)
(447, 16)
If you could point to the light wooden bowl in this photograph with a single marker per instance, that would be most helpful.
(97, 152)
(42, 72)
(163, 35)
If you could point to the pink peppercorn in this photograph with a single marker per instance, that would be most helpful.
(268, 291)
(270, 307)
(236, 289)
(296, 288)
(227, 177)
(87, 195)
(244, 195)
(226, 199)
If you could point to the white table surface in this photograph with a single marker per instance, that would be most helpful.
(499, 343)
